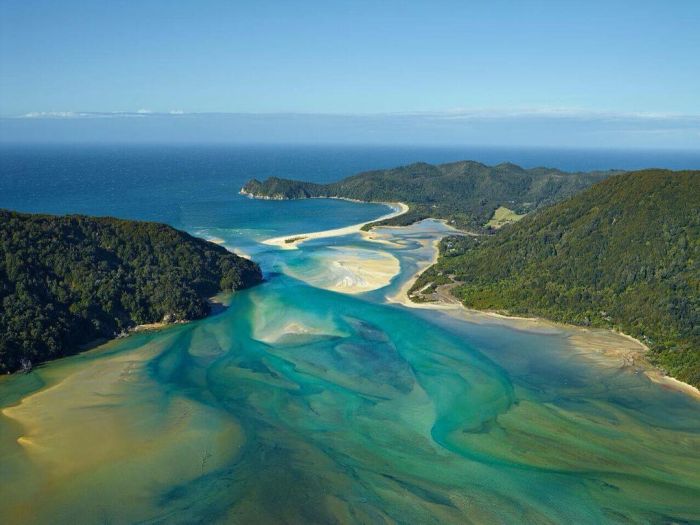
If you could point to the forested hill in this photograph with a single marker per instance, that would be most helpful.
(623, 254)
(66, 281)
(466, 193)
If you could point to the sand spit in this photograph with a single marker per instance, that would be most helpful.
(290, 242)
(609, 345)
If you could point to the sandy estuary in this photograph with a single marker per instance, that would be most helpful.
(318, 397)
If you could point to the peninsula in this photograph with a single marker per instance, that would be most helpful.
(467, 194)
(66, 281)
(623, 254)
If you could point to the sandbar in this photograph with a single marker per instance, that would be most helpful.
(349, 270)
(596, 343)
(290, 242)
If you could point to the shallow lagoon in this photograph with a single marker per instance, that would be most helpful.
(299, 404)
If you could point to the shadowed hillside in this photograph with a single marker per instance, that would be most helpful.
(66, 281)
(623, 254)
(466, 193)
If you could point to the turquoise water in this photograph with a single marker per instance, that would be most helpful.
(299, 404)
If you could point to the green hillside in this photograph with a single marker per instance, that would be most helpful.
(66, 281)
(623, 254)
(466, 193)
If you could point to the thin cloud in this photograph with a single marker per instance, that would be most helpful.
(51, 114)
(555, 113)
(455, 116)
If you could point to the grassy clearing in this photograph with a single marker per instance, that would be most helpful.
(503, 216)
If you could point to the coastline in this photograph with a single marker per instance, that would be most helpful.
(600, 343)
(597, 343)
(290, 242)
(216, 306)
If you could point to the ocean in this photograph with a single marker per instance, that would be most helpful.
(173, 183)
(314, 397)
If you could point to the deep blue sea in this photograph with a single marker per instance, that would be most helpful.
(180, 184)
(315, 397)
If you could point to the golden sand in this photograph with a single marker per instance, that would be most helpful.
(349, 270)
(614, 347)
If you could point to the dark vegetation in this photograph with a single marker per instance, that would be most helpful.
(624, 254)
(66, 281)
(465, 193)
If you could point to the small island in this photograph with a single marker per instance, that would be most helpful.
(68, 281)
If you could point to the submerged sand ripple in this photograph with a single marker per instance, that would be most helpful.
(346, 269)
(298, 405)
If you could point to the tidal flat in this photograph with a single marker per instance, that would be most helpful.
(301, 404)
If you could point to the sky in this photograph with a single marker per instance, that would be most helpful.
(594, 72)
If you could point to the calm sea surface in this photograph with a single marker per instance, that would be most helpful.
(300, 404)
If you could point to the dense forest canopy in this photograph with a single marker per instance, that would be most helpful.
(66, 281)
(623, 254)
(466, 193)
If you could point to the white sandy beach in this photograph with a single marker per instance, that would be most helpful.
(290, 242)
(216, 240)
(351, 274)
(613, 347)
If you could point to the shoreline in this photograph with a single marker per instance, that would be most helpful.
(215, 307)
(633, 353)
(291, 241)
(595, 345)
